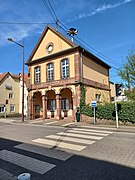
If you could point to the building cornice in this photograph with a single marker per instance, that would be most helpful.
(52, 56)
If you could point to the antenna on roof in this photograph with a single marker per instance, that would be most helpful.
(71, 32)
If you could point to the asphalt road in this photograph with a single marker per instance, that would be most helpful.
(71, 153)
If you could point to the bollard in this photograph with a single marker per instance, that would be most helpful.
(24, 176)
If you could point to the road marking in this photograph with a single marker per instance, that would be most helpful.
(36, 121)
(59, 144)
(68, 124)
(91, 130)
(51, 122)
(80, 135)
(7, 120)
(53, 153)
(97, 127)
(61, 138)
(83, 132)
(26, 162)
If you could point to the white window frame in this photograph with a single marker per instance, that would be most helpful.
(65, 104)
(11, 95)
(2, 108)
(98, 97)
(37, 74)
(12, 106)
(65, 68)
(50, 72)
(51, 104)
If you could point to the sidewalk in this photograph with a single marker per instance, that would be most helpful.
(68, 123)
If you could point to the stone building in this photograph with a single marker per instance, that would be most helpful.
(57, 67)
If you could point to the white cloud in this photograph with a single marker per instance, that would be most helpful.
(99, 10)
(17, 12)
(27, 11)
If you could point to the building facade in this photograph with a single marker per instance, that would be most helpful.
(25, 95)
(57, 67)
(11, 94)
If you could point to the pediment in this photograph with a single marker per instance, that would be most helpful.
(50, 42)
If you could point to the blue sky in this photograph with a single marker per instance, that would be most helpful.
(108, 26)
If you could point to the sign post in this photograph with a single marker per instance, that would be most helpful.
(116, 109)
(94, 105)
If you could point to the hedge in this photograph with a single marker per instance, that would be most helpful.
(126, 111)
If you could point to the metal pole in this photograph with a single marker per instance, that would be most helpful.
(94, 115)
(22, 46)
(117, 125)
(23, 81)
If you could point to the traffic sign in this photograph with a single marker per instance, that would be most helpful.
(93, 103)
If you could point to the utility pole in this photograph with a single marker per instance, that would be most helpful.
(22, 76)
(56, 24)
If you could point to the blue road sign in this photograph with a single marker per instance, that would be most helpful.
(93, 103)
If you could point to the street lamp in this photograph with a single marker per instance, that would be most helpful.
(22, 46)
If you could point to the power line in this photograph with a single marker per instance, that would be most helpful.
(6, 22)
(90, 47)
(84, 43)
(46, 5)
(52, 9)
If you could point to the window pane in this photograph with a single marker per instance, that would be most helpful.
(50, 71)
(10, 95)
(65, 104)
(65, 68)
(51, 104)
(2, 108)
(12, 108)
(37, 74)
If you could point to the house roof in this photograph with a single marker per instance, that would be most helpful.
(16, 76)
(3, 75)
(73, 45)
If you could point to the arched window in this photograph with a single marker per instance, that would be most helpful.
(65, 68)
(50, 72)
(37, 74)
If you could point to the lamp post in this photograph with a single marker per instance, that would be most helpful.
(22, 46)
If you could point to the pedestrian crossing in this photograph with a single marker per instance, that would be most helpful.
(24, 161)
(76, 139)
(62, 146)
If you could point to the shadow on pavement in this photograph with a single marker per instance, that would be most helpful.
(75, 168)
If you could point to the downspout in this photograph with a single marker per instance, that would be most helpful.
(81, 67)
(81, 74)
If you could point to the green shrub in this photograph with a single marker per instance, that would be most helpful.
(126, 111)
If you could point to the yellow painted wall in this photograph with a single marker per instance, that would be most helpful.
(56, 68)
(94, 71)
(4, 93)
(58, 43)
(112, 89)
(91, 95)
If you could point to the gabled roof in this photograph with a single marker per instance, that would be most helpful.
(3, 75)
(73, 45)
(43, 35)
